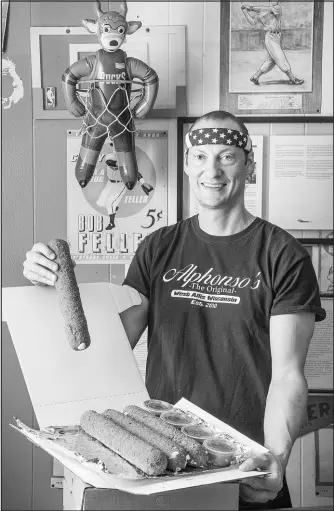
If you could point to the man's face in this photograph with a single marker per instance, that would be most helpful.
(217, 173)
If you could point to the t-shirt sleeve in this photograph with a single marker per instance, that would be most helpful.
(138, 275)
(297, 290)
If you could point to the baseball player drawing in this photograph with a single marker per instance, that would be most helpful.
(115, 189)
(270, 17)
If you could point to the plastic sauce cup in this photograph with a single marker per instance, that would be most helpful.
(199, 432)
(220, 452)
(156, 406)
(177, 418)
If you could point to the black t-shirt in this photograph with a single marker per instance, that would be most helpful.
(210, 302)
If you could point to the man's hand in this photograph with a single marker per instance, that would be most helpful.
(263, 488)
(39, 266)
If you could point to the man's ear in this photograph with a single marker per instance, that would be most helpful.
(250, 164)
(90, 25)
(133, 26)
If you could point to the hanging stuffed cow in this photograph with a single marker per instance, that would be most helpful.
(107, 111)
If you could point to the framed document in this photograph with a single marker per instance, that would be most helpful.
(271, 57)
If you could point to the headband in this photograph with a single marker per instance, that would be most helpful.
(223, 136)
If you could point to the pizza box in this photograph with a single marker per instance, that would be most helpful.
(63, 383)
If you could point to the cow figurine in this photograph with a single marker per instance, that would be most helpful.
(110, 73)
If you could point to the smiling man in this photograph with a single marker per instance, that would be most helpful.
(230, 302)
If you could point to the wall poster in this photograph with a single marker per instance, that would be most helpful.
(271, 57)
(319, 360)
(106, 221)
(326, 269)
(301, 182)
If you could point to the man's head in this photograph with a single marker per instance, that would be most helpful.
(218, 166)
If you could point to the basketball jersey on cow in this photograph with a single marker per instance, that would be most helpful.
(111, 65)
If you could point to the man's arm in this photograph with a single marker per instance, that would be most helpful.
(260, 8)
(134, 320)
(245, 10)
(290, 336)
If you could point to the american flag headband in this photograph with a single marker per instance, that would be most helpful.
(223, 136)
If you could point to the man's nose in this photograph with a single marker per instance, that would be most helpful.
(213, 168)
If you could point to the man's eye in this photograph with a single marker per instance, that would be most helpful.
(199, 156)
(107, 28)
(227, 158)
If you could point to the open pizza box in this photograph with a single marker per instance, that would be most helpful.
(63, 383)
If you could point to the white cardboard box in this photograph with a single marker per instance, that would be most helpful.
(63, 383)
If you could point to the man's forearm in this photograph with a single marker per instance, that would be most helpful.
(260, 8)
(284, 415)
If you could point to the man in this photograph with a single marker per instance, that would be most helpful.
(230, 302)
(270, 17)
(114, 190)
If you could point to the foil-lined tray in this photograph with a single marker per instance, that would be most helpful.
(88, 450)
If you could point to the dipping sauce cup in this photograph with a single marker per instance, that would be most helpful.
(157, 407)
(177, 418)
(199, 432)
(220, 451)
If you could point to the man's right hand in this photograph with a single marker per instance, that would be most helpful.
(39, 266)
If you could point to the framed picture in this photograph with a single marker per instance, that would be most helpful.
(319, 360)
(271, 57)
(326, 268)
(186, 203)
(321, 253)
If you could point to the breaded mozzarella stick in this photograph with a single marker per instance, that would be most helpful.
(176, 455)
(68, 296)
(197, 453)
(141, 454)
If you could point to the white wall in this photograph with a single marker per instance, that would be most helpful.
(202, 20)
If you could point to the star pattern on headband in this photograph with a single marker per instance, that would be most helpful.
(218, 136)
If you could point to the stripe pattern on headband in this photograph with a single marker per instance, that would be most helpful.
(223, 136)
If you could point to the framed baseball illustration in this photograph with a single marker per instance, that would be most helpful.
(106, 221)
(271, 57)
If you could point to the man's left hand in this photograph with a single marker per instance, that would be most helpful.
(263, 488)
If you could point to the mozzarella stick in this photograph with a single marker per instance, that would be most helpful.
(175, 454)
(144, 456)
(92, 450)
(196, 452)
(68, 296)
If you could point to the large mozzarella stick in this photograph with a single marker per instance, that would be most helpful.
(92, 450)
(197, 453)
(176, 455)
(147, 458)
(68, 296)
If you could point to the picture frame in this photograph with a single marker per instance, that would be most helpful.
(321, 253)
(183, 124)
(244, 49)
(319, 359)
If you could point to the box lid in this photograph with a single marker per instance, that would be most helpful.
(63, 383)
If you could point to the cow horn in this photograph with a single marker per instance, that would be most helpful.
(123, 9)
(98, 9)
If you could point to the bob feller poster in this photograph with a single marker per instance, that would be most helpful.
(105, 221)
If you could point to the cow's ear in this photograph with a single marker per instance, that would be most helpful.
(133, 27)
(90, 25)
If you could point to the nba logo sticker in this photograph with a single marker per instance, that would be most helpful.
(50, 97)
